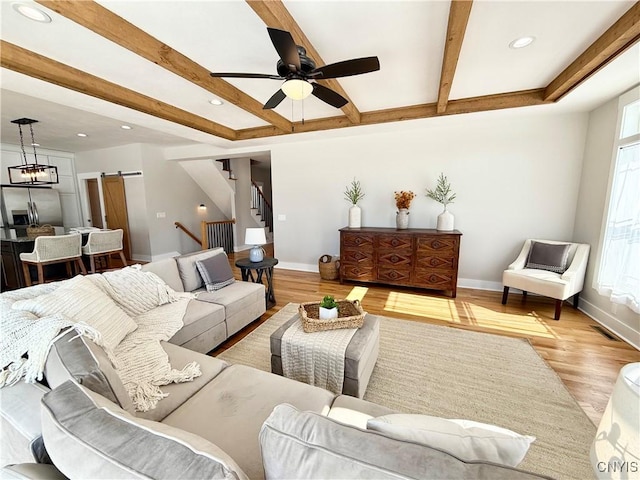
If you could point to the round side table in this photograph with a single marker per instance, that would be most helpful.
(265, 267)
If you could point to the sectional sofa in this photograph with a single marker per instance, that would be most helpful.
(231, 422)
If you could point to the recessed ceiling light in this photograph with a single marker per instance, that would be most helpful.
(522, 42)
(81, 134)
(125, 127)
(216, 102)
(31, 12)
(35, 144)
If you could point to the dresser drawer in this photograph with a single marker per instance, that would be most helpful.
(356, 272)
(439, 262)
(351, 256)
(437, 245)
(394, 258)
(362, 241)
(395, 242)
(399, 275)
(435, 279)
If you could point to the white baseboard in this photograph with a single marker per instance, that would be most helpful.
(241, 248)
(302, 267)
(140, 258)
(628, 334)
(479, 284)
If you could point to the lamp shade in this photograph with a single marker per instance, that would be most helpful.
(255, 236)
(297, 89)
(615, 452)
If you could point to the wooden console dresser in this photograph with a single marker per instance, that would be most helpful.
(413, 257)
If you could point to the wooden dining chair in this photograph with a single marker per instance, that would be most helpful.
(48, 250)
(104, 243)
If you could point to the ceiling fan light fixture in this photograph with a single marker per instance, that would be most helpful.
(31, 12)
(297, 89)
(522, 42)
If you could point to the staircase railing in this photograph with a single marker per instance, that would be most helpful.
(186, 230)
(217, 234)
(260, 203)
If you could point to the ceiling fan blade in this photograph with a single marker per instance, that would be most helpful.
(329, 96)
(247, 75)
(286, 48)
(346, 68)
(275, 100)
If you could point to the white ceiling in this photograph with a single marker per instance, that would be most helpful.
(407, 36)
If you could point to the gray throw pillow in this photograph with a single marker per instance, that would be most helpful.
(548, 256)
(216, 272)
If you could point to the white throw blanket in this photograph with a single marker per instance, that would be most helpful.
(315, 358)
(143, 363)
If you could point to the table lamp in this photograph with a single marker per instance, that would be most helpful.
(615, 452)
(255, 237)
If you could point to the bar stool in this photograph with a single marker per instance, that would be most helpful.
(104, 243)
(53, 249)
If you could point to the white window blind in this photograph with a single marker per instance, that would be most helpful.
(619, 273)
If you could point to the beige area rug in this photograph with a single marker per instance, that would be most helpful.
(456, 373)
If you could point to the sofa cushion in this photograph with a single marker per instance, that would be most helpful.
(90, 437)
(355, 411)
(468, 440)
(73, 357)
(21, 432)
(167, 270)
(178, 393)
(199, 317)
(548, 256)
(80, 300)
(236, 403)
(299, 444)
(235, 297)
(191, 279)
(216, 272)
(31, 471)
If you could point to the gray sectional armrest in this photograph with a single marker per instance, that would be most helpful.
(31, 471)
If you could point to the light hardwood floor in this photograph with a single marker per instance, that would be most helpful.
(587, 362)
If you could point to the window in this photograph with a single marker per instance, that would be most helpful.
(619, 272)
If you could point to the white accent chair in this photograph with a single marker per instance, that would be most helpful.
(559, 286)
(53, 249)
(104, 243)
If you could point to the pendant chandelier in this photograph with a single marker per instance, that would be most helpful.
(31, 173)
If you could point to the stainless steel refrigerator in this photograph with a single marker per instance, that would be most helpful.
(22, 206)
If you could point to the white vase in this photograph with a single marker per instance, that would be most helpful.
(355, 215)
(326, 313)
(402, 219)
(445, 221)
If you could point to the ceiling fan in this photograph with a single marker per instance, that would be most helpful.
(299, 72)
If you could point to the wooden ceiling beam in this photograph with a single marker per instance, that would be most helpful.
(104, 22)
(34, 65)
(620, 36)
(459, 12)
(522, 98)
(275, 15)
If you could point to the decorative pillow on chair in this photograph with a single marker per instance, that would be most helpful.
(465, 439)
(215, 272)
(548, 256)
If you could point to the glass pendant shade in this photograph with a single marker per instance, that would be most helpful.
(31, 173)
(297, 89)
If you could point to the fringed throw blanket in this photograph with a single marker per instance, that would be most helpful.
(315, 358)
(87, 304)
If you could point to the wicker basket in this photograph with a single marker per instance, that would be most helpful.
(350, 315)
(34, 231)
(329, 267)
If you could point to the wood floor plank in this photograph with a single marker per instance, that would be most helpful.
(587, 362)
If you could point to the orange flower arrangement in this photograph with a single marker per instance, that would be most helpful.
(403, 199)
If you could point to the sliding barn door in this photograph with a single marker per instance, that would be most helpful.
(115, 204)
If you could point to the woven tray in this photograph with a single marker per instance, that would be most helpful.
(350, 315)
(35, 231)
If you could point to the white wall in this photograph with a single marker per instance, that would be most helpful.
(516, 177)
(241, 168)
(165, 187)
(598, 160)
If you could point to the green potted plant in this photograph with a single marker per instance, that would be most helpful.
(328, 308)
(353, 193)
(443, 194)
